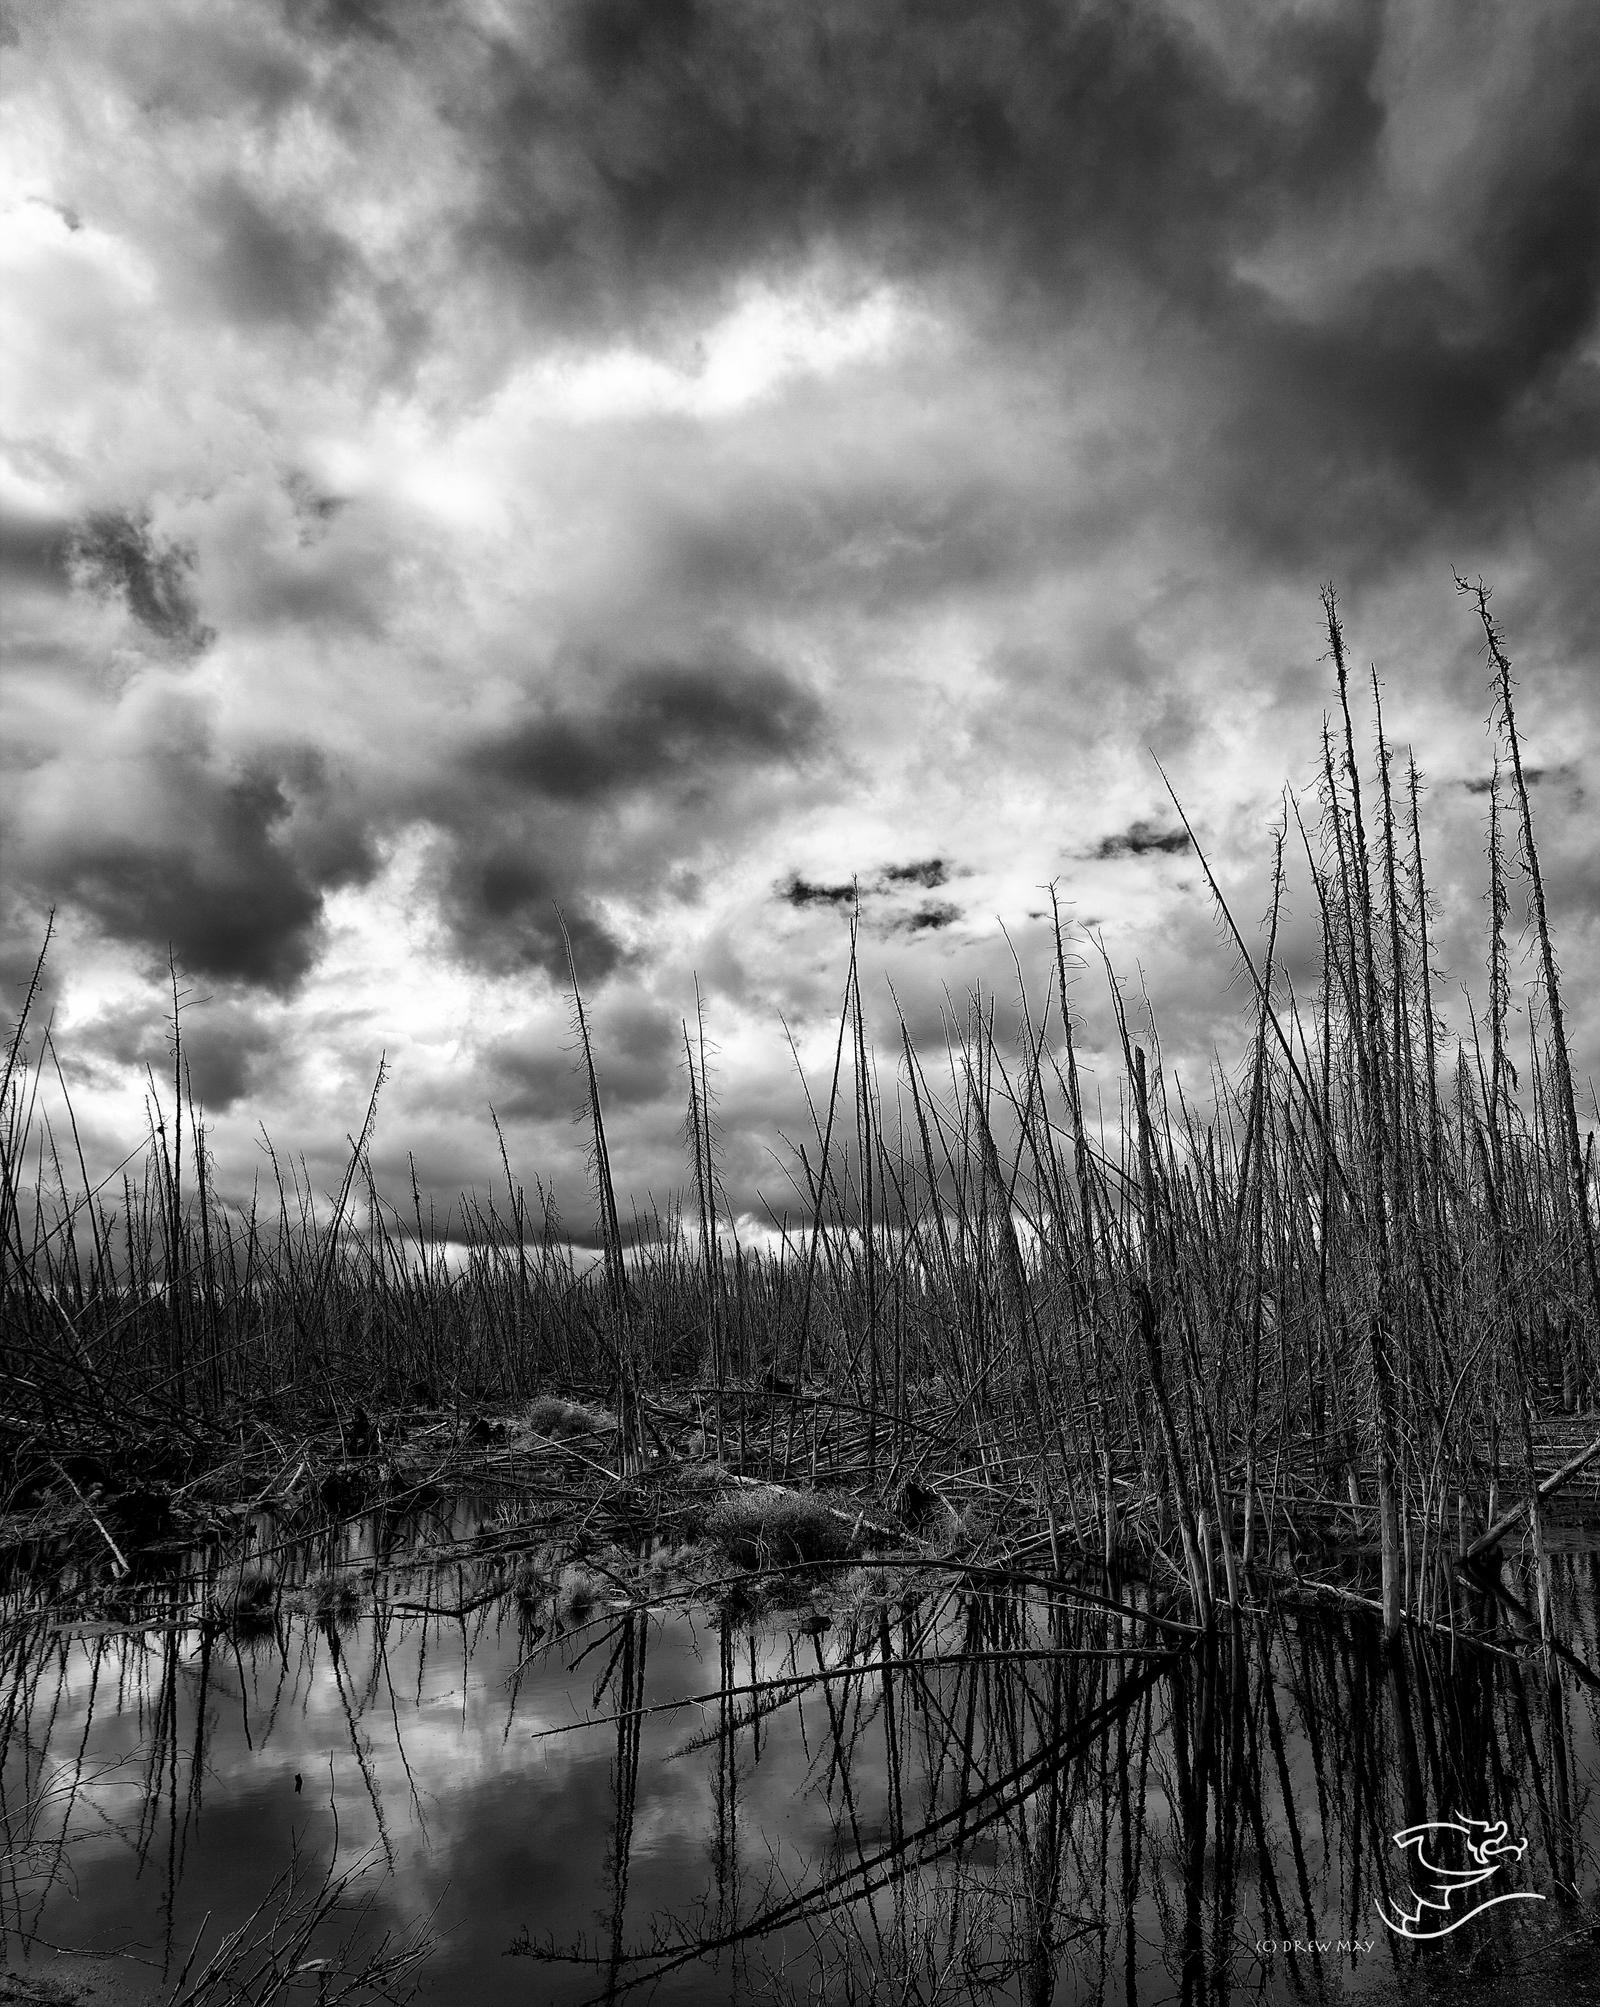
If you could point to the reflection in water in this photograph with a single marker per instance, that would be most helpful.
(920, 1788)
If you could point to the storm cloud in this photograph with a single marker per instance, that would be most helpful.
(34, 551)
(627, 150)
(116, 554)
(225, 1049)
(1269, 198)
(171, 847)
(645, 481)
(1142, 839)
(663, 723)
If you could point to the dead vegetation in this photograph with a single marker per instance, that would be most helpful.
(1338, 1311)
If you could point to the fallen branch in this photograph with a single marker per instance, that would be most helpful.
(1507, 1520)
(100, 1525)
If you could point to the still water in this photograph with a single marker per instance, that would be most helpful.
(918, 1787)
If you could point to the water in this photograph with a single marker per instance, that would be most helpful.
(915, 1788)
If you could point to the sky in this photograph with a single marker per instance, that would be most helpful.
(685, 469)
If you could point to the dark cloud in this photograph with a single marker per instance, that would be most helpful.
(535, 812)
(803, 892)
(268, 267)
(1166, 313)
(661, 724)
(22, 936)
(926, 875)
(1190, 179)
(506, 903)
(638, 1054)
(1037, 162)
(1442, 381)
(931, 917)
(352, 20)
(637, 149)
(1141, 839)
(228, 1058)
(113, 553)
(1532, 775)
(223, 864)
(930, 873)
(1406, 421)
(229, 1049)
(227, 900)
(34, 550)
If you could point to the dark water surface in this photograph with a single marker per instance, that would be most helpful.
(916, 1788)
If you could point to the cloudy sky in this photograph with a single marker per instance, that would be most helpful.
(672, 460)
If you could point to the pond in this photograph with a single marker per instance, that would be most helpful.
(863, 1783)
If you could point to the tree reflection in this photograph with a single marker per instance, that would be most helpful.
(924, 1786)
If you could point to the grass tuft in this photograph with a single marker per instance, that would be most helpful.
(777, 1529)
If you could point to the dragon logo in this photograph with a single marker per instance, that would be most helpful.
(1450, 1894)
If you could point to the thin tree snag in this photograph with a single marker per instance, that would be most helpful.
(1508, 1520)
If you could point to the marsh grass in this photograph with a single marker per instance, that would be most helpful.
(762, 1530)
(577, 1594)
(250, 1610)
(335, 1600)
(1341, 1303)
(566, 1421)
